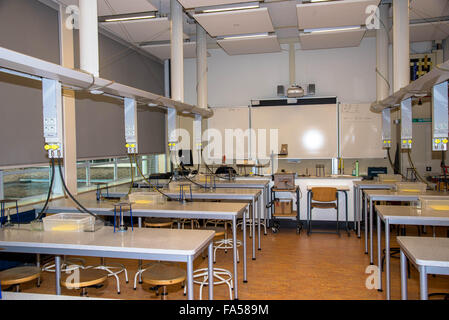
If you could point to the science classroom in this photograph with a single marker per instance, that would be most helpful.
(224, 150)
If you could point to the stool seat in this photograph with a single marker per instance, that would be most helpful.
(87, 278)
(160, 274)
(158, 222)
(19, 275)
(219, 232)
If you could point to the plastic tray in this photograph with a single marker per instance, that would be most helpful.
(69, 222)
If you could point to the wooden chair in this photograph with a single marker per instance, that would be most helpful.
(163, 275)
(18, 275)
(323, 198)
(83, 278)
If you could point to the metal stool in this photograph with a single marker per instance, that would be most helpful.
(18, 275)
(83, 279)
(221, 276)
(163, 275)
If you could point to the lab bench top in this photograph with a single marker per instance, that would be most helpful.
(413, 212)
(89, 202)
(139, 241)
(404, 194)
(426, 251)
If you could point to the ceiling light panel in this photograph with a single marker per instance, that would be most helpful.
(163, 52)
(190, 4)
(138, 31)
(111, 7)
(262, 44)
(236, 22)
(333, 13)
(328, 40)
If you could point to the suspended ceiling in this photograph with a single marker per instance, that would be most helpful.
(284, 19)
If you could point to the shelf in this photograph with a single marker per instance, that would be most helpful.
(421, 86)
(27, 66)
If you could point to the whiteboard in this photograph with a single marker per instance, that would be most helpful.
(226, 119)
(311, 131)
(360, 132)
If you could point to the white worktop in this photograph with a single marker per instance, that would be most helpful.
(140, 241)
(426, 251)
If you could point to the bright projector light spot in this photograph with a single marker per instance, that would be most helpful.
(313, 140)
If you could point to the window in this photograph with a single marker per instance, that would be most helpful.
(32, 183)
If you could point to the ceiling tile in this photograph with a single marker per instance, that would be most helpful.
(111, 7)
(328, 40)
(333, 14)
(189, 4)
(283, 13)
(236, 22)
(141, 30)
(250, 45)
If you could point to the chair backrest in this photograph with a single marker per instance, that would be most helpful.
(324, 194)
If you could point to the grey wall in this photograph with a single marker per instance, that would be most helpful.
(29, 27)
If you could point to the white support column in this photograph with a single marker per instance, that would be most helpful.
(201, 66)
(292, 63)
(68, 104)
(401, 44)
(383, 89)
(177, 51)
(88, 24)
(201, 75)
(177, 67)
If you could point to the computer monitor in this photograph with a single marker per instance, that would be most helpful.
(185, 158)
(374, 171)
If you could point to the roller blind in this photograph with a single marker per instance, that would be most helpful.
(100, 120)
(28, 27)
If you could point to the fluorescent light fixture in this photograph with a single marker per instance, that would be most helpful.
(339, 29)
(230, 9)
(247, 36)
(235, 7)
(129, 18)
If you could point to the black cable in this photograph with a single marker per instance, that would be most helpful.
(132, 174)
(73, 198)
(207, 167)
(392, 165)
(443, 167)
(149, 183)
(415, 170)
(50, 190)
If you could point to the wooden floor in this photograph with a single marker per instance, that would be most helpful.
(289, 267)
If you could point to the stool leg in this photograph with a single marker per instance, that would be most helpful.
(164, 293)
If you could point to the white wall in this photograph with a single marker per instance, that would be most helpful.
(348, 73)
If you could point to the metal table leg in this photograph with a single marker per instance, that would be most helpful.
(403, 276)
(371, 213)
(234, 240)
(359, 212)
(423, 283)
(210, 269)
(365, 212)
(190, 275)
(253, 227)
(245, 279)
(259, 213)
(346, 207)
(379, 250)
(58, 274)
(387, 259)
